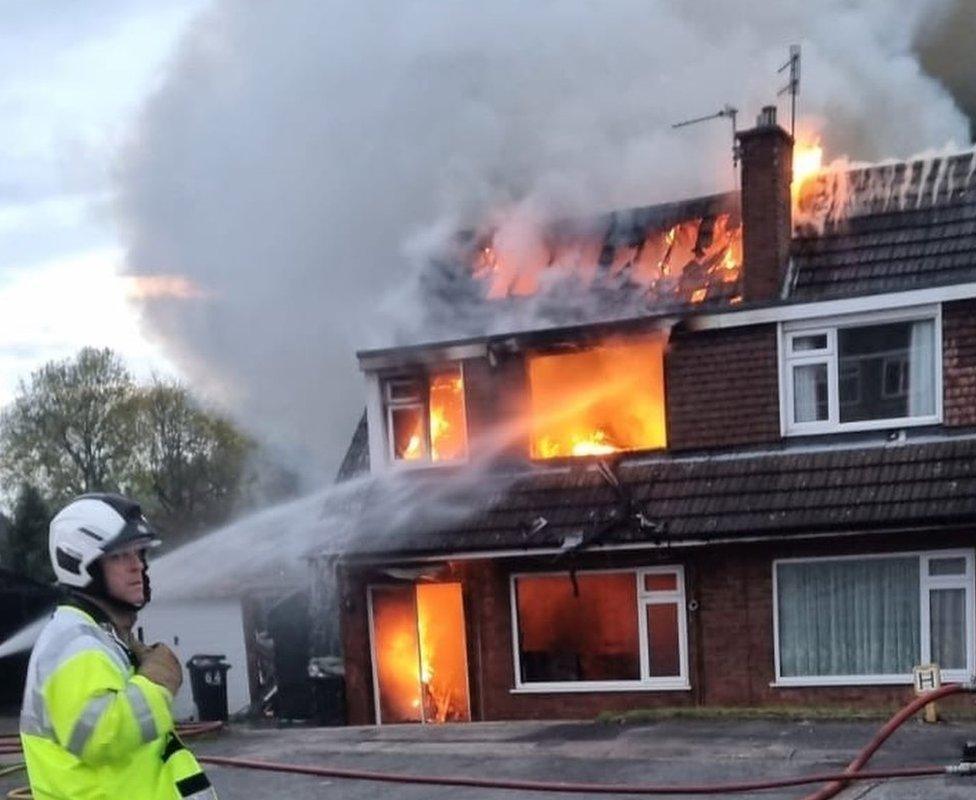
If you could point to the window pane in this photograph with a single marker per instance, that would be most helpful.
(585, 631)
(947, 616)
(815, 341)
(395, 645)
(409, 436)
(597, 401)
(448, 436)
(403, 389)
(810, 393)
(849, 617)
(886, 371)
(661, 582)
(662, 640)
(947, 566)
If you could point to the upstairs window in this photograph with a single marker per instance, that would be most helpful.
(596, 401)
(863, 373)
(425, 417)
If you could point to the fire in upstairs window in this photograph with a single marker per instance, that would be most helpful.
(425, 416)
(597, 401)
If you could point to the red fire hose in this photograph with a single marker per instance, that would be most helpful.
(835, 781)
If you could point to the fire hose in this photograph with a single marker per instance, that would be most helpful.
(835, 782)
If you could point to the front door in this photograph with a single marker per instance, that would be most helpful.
(420, 664)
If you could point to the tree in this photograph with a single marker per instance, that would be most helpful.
(25, 550)
(191, 463)
(71, 430)
(83, 425)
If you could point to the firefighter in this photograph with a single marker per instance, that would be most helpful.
(96, 720)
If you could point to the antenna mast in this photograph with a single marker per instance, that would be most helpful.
(793, 87)
(729, 112)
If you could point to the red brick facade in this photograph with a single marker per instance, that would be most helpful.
(723, 388)
(730, 632)
(959, 362)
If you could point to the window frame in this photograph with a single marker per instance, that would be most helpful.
(926, 583)
(829, 355)
(423, 376)
(644, 598)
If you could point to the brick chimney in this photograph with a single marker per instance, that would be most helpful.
(766, 153)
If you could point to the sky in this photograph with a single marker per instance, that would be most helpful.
(73, 76)
(244, 193)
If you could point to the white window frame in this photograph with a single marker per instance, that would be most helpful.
(926, 584)
(788, 331)
(387, 410)
(645, 598)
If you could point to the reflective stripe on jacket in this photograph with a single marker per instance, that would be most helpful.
(92, 729)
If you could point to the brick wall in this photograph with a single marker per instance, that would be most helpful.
(959, 362)
(730, 634)
(496, 399)
(723, 388)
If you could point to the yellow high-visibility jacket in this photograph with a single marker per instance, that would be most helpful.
(91, 728)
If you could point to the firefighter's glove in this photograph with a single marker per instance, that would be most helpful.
(160, 665)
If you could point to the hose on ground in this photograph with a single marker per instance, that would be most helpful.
(834, 782)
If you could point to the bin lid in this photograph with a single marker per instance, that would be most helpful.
(205, 661)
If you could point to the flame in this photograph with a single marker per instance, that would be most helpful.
(420, 645)
(698, 295)
(807, 162)
(447, 424)
(598, 401)
(414, 449)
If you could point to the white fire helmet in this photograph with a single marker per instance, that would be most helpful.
(91, 526)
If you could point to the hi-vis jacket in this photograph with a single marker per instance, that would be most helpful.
(94, 730)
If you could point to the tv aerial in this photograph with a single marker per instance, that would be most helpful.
(728, 112)
(793, 87)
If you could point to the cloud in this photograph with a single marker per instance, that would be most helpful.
(295, 148)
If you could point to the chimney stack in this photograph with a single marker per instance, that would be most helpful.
(766, 154)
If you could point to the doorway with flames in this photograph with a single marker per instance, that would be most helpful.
(419, 653)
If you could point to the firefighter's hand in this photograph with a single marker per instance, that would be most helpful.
(160, 665)
(139, 650)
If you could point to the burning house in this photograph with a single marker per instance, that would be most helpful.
(744, 473)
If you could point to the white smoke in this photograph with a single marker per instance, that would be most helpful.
(297, 147)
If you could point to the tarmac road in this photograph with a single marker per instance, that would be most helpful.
(670, 751)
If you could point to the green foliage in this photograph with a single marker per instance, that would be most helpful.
(25, 548)
(83, 425)
(70, 429)
(191, 463)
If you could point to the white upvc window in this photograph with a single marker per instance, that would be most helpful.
(862, 620)
(425, 417)
(861, 372)
(600, 630)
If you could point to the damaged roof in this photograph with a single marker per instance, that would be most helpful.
(886, 228)
(779, 493)
(907, 226)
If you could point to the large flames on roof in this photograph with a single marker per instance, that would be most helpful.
(686, 262)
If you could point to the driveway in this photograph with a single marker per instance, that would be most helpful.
(665, 752)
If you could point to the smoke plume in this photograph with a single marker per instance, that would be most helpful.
(302, 158)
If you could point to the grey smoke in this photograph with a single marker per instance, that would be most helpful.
(303, 156)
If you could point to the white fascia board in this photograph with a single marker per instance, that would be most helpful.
(438, 354)
(832, 308)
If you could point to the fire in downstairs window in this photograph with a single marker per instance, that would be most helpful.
(598, 401)
(420, 653)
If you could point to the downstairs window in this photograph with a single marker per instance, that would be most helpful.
(600, 630)
(871, 619)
